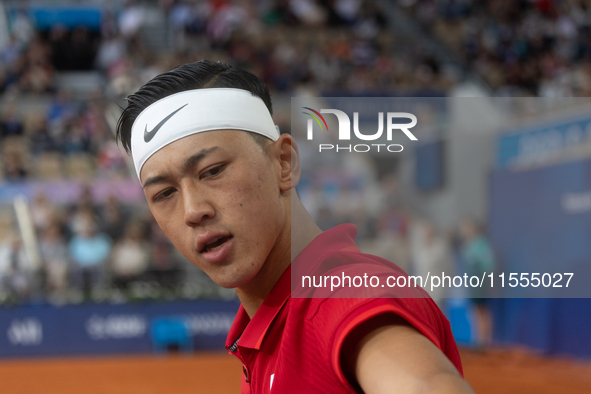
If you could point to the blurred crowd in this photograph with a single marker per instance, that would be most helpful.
(326, 46)
(341, 45)
(520, 48)
(90, 251)
(110, 250)
(70, 138)
(329, 46)
(386, 227)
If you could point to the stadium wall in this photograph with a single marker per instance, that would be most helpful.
(86, 329)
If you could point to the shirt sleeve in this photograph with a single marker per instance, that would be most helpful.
(421, 313)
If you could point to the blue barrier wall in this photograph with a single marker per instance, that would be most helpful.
(552, 326)
(33, 330)
(540, 221)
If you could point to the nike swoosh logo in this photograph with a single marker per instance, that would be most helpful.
(148, 135)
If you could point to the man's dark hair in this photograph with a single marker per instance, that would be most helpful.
(199, 75)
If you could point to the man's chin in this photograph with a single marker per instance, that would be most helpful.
(232, 283)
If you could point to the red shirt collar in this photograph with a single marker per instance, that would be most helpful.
(252, 332)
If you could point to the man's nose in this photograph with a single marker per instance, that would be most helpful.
(196, 208)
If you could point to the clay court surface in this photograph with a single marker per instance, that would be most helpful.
(498, 371)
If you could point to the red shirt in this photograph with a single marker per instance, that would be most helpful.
(293, 345)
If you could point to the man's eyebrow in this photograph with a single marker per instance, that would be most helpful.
(197, 157)
(154, 179)
(188, 164)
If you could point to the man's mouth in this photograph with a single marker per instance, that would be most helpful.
(215, 244)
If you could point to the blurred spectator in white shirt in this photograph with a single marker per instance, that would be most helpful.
(16, 269)
(54, 254)
(131, 19)
(41, 212)
(131, 256)
(431, 255)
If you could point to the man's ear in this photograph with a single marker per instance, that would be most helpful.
(286, 151)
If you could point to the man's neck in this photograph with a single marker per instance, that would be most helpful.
(299, 231)
(255, 291)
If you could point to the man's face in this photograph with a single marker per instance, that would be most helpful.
(216, 196)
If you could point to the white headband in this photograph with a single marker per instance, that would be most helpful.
(194, 111)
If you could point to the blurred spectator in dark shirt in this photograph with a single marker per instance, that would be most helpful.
(62, 108)
(76, 139)
(11, 122)
(41, 140)
(113, 218)
(14, 168)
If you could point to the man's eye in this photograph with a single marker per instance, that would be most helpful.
(163, 195)
(212, 172)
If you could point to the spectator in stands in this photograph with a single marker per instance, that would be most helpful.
(38, 74)
(110, 161)
(11, 123)
(479, 259)
(41, 140)
(131, 18)
(78, 217)
(391, 237)
(16, 269)
(130, 257)
(430, 253)
(111, 50)
(12, 51)
(164, 267)
(76, 140)
(55, 257)
(94, 123)
(22, 27)
(84, 206)
(86, 199)
(42, 212)
(89, 252)
(14, 167)
(62, 108)
(113, 218)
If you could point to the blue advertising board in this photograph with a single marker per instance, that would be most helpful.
(35, 330)
(70, 16)
(537, 143)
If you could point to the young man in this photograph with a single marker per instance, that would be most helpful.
(219, 180)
